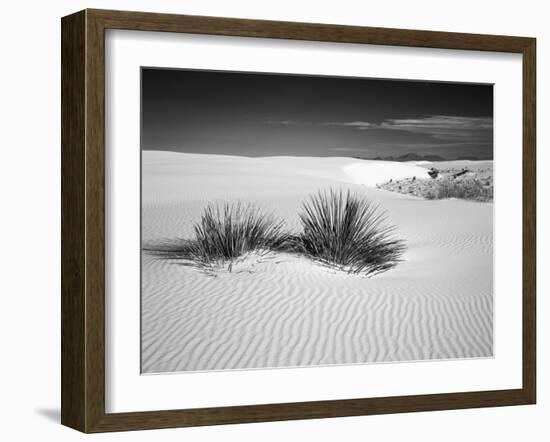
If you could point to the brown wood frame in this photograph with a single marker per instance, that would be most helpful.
(83, 216)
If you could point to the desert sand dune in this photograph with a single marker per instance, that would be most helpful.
(282, 310)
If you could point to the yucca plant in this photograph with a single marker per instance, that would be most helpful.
(227, 232)
(348, 232)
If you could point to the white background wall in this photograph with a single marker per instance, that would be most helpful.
(30, 217)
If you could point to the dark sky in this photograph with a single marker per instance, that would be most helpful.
(271, 114)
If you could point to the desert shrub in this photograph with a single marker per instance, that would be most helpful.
(348, 232)
(472, 189)
(226, 232)
(464, 189)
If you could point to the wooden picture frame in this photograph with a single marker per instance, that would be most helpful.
(83, 220)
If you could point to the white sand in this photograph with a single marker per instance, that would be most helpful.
(371, 173)
(281, 310)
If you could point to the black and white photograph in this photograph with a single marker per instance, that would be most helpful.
(297, 220)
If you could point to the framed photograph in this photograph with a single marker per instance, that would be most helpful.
(268, 221)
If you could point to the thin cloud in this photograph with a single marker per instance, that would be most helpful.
(360, 125)
(447, 128)
(438, 126)
(443, 127)
(354, 124)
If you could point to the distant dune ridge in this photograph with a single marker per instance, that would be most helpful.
(283, 310)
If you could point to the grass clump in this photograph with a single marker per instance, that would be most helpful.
(348, 232)
(227, 232)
